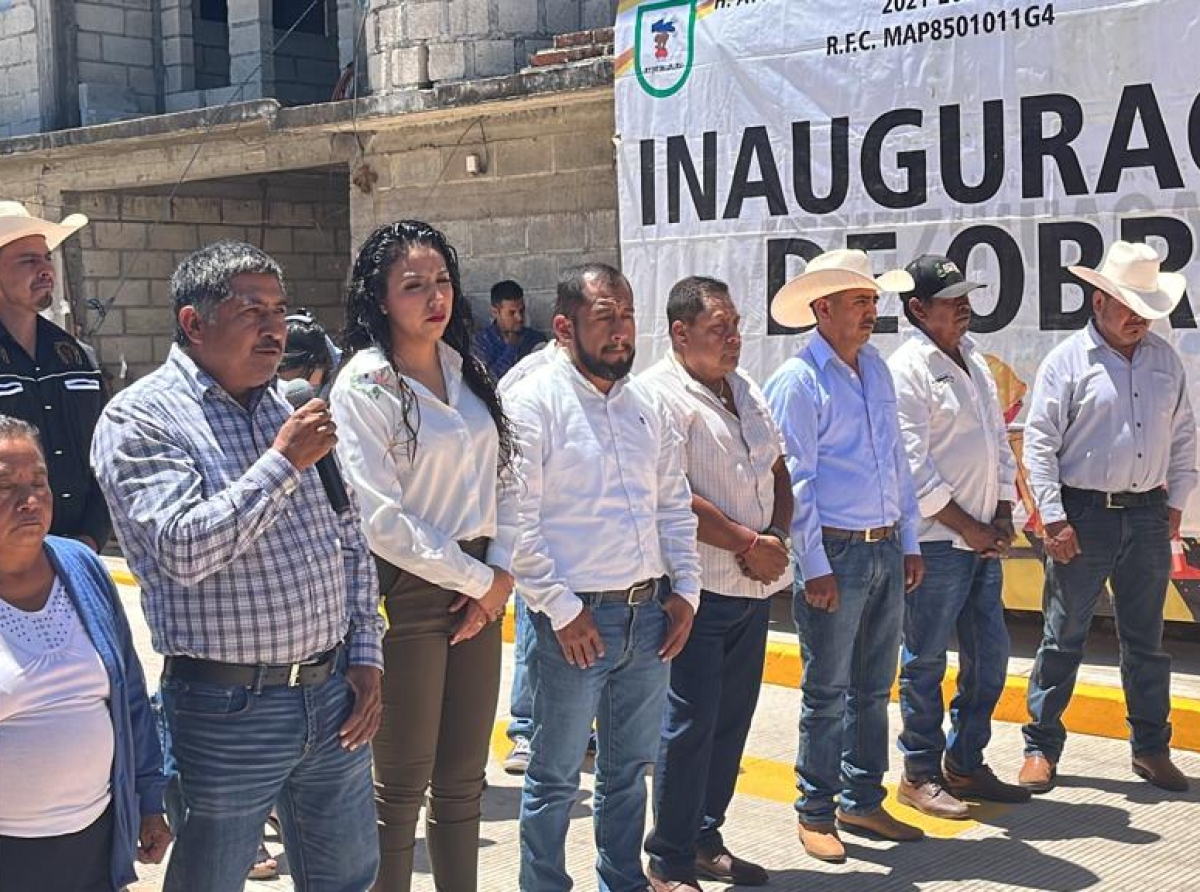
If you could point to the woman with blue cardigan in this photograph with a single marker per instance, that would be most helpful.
(81, 785)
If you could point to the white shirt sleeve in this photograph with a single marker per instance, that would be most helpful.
(538, 579)
(364, 435)
(1044, 429)
(1181, 470)
(912, 408)
(677, 522)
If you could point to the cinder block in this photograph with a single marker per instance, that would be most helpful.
(147, 264)
(494, 57)
(119, 235)
(517, 16)
(103, 73)
(602, 231)
(502, 236)
(520, 157)
(139, 23)
(277, 240)
(576, 151)
(17, 20)
(174, 236)
(424, 20)
(563, 17)
(126, 50)
(216, 232)
(88, 46)
(98, 17)
(148, 321)
(447, 61)
(558, 232)
(98, 264)
(598, 13)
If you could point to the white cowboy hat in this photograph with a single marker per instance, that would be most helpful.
(1130, 273)
(826, 274)
(16, 222)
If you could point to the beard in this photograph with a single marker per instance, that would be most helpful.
(602, 369)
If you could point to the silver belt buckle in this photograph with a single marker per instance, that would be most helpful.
(294, 675)
(1109, 503)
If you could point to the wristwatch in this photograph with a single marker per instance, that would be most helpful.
(779, 534)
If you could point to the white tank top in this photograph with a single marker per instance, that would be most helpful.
(56, 735)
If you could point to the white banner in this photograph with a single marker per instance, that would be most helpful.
(1016, 137)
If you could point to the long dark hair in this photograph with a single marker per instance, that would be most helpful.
(367, 326)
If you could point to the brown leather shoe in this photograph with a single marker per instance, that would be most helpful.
(932, 797)
(1038, 774)
(821, 842)
(982, 783)
(723, 865)
(879, 823)
(660, 885)
(1160, 771)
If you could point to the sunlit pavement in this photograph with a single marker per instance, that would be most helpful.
(1101, 828)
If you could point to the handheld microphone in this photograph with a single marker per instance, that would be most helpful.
(298, 392)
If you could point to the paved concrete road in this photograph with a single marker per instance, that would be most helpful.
(1101, 829)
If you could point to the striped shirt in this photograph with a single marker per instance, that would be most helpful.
(728, 460)
(239, 555)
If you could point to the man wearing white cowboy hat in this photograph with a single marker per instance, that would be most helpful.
(854, 534)
(46, 378)
(1110, 447)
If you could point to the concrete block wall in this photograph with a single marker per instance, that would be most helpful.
(546, 199)
(137, 238)
(116, 59)
(20, 109)
(306, 67)
(465, 39)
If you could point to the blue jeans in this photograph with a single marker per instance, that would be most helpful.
(1131, 548)
(962, 591)
(520, 705)
(849, 663)
(624, 692)
(714, 689)
(240, 751)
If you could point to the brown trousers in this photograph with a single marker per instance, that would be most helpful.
(439, 706)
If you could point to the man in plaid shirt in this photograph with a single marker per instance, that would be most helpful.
(261, 597)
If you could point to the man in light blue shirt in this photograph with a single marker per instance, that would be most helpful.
(854, 532)
(1110, 447)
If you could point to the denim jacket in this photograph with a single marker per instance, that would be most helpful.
(137, 778)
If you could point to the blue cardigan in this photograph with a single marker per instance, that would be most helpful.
(137, 776)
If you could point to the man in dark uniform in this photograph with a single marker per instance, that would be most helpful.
(46, 377)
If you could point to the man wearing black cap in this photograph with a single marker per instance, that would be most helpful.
(965, 477)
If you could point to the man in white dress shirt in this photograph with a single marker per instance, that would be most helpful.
(965, 477)
(606, 560)
(1110, 448)
(742, 496)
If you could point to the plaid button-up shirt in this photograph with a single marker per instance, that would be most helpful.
(239, 555)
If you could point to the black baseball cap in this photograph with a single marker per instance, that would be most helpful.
(935, 276)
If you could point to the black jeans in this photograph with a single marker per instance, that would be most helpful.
(72, 862)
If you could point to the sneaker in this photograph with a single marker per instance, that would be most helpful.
(517, 760)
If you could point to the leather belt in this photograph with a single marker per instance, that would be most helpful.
(1156, 496)
(638, 593)
(246, 675)
(875, 534)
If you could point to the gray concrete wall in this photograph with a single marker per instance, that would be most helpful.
(116, 60)
(137, 238)
(547, 197)
(20, 90)
(306, 67)
(467, 38)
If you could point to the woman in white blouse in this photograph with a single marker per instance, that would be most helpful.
(425, 444)
(81, 784)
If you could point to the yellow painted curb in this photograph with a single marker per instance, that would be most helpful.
(1094, 709)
